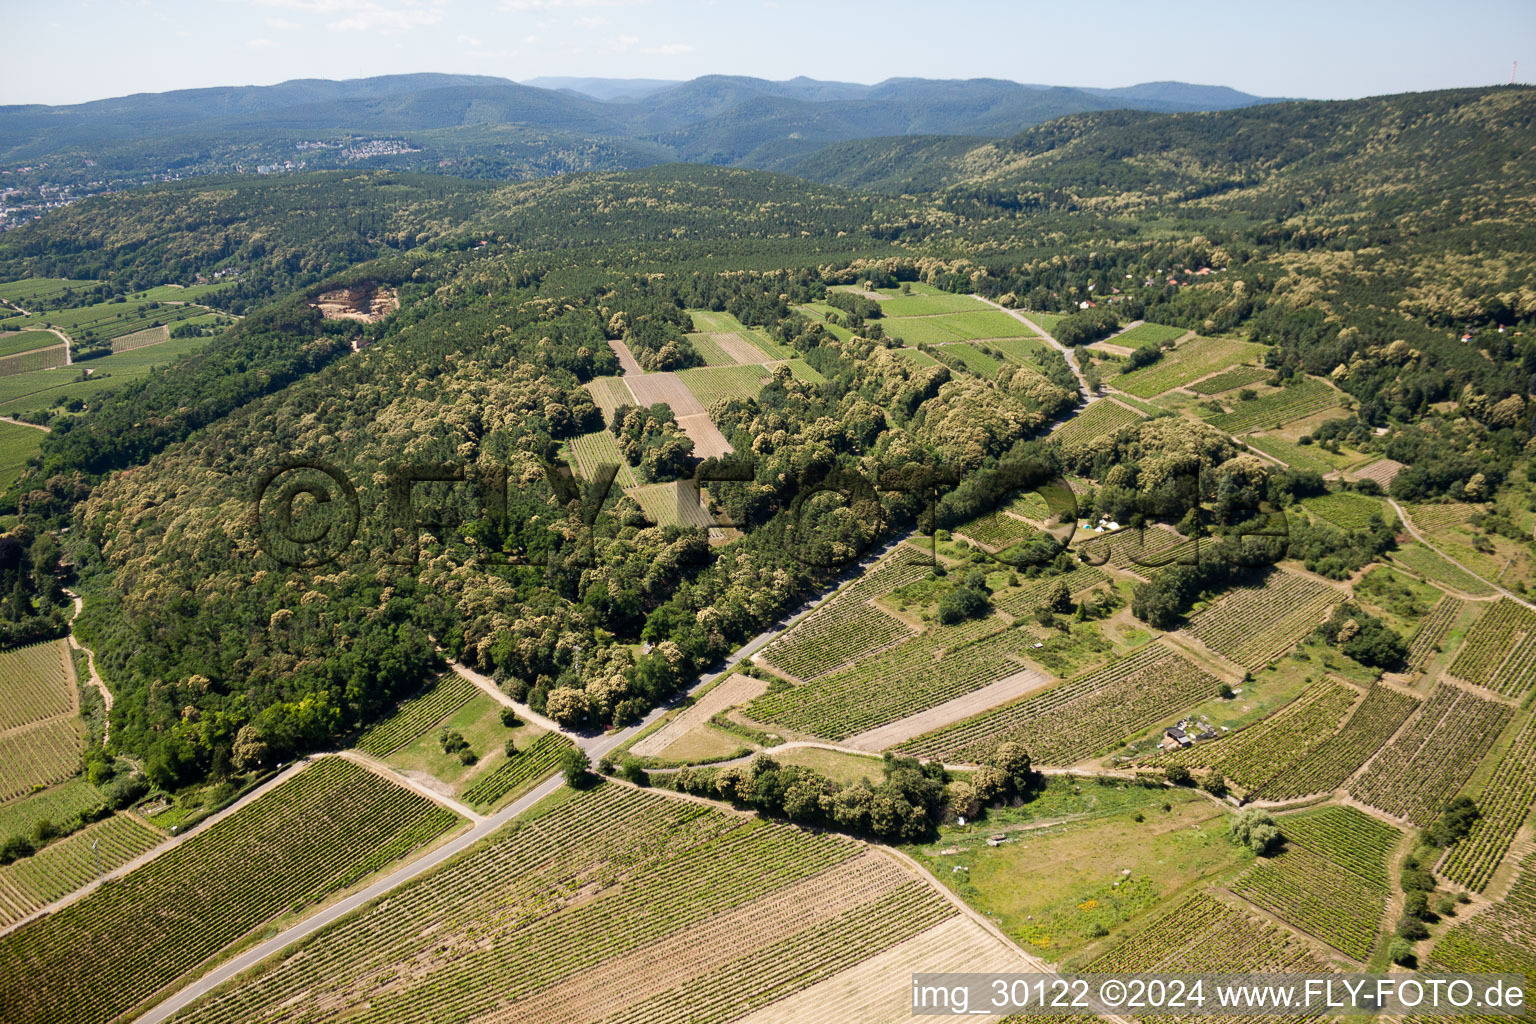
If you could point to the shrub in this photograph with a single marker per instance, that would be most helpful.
(576, 767)
(1255, 828)
(509, 718)
(1178, 775)
(1401, 953)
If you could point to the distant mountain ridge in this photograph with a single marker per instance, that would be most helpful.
(719, 119)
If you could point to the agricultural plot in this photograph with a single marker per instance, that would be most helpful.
(31, 360)
(916, 357)
(1437, 516)
(1432, 630)
(1019, 350)
(141, 339)
(1505, 803)
(734, 689)
(905, 679)
(1426, 562)
(969, 358)
(1255, 624)
(1345, 509)
(597, 449)
(1139, 551)
(711, 350)
(324, 829)
(45, 289)
(1500, 940)
(1083, 716)
(1319, 897)
(1278, 407)
(55, 805)
(1253, 755)
(847, 626)
(1022, 601)
(930, 305)
(1201, 933)
(1311, 457)
(107, 320)
(1148, 334)
(1230, 380)
(711, 383)
(65, 865)
(997, 530)
(39, 754)
(47, 388)
(1194, 358)
(415, 716)
(678, 503)
(804, 371)
(1326, 766)
(1348, 837)
(1500, 650)
(539, 760)
(1098, 422)
(1382, 471)
(744, 344)
(1045, 321)
(1434, 755)
(27, 341)
(36, 682)
(935, 330)
(671, 911)
(608, 393)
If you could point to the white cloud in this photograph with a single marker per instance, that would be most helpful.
(282, 24)
(260, 44)
(368, 15)
(550, 5)
(589, 21)
(669, 49)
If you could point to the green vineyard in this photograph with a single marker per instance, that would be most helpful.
(39, 755)
(1253, 755)
(1500, 940)
(1348, 837)
(36, 682)
(1201, 933)
(1230, 380)
(1327, 766)
(1308, 396)
(1194, 358)
(415, 716)
(62, 867)
(1099, 421)
(1505, 804)
(540, 759)
(847, 626)
(332, 824)
(912, 676)
(1500, 650)
(599, 448)
(1432, 630)
(1254, 624)
(612, 904)
(1434, 755)
(711, 383)
(1081, 717)
(1319, 897)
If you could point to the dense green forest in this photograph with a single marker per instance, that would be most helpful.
(1359, 239)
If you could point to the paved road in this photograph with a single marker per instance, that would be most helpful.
(1408, 525)
(595, 747)
(1065, 350)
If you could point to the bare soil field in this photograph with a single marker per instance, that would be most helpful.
(951, 711)
(668, 388)
(1383, 471)
(707, 439)
(629, 366)
(609, 393)
(738, 689)
(365, 303)
(739, 348)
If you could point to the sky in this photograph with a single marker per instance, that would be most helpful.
(68, 51)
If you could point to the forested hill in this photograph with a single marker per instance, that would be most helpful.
(490, 127)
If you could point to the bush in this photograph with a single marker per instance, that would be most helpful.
(509, 718)
(510, 748)
(14, 848)
(1215, 784)
(1454, 822)
(467, 756)
(576, 767)
(452, 741)
(1411, 928)
(633, 771)
(1401, 953)
(1255, 828)
(1178, 775)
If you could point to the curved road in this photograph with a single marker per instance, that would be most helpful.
(1065, 350)
(1408, 525)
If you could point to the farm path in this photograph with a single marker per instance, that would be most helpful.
(90, 663)
(1066, 350)
(1402, 514)
(629, 366)
(595, 747)
(24, 423)
(493, 691)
